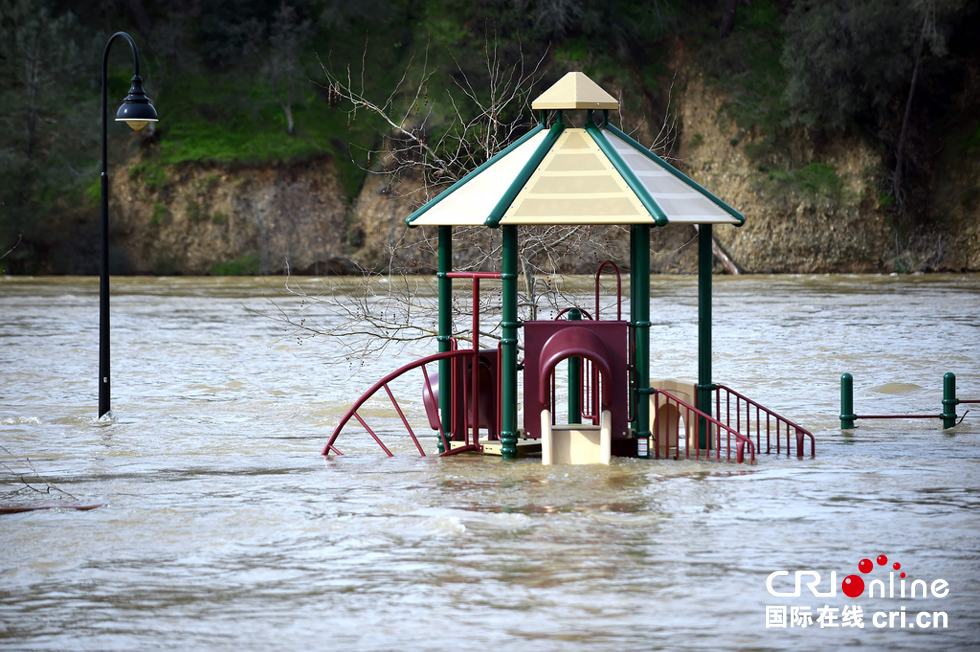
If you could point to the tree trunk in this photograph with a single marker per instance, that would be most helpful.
(727, 18)
(723, 257)
(900, 150)
(287, 108)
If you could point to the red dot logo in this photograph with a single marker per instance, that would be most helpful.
(902, 576)
(896, 565)
(882, 560)
(865, 566)
(853, 586)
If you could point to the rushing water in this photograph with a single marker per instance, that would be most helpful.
(223, 528)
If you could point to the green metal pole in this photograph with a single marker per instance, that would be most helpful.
(574, 379)
(949, 400)
(847, 415)
(509, 325)
(704, 387)
(633, 302)
(445, 327)
(641, 289)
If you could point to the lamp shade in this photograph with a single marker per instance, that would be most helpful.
(136, 110)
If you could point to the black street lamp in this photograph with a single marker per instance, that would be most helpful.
(136, 111)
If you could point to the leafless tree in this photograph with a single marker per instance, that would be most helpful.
(29, 480)
(396, 306)
(282, 68)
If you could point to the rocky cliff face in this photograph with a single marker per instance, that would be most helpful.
(786, 229)
(249, 220)
(261, 220)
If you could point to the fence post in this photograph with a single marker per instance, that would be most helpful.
(949, 400)
(847, 415)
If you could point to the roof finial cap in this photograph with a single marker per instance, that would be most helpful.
(575, 91)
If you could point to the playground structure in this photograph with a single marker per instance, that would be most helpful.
(948, 415)
(591, 175)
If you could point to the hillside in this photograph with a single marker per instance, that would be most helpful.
(258, 163)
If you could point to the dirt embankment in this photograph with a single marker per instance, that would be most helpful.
(246, 220)
(252, 220)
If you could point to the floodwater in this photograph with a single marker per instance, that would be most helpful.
(223, 528)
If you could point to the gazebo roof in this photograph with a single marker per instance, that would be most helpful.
(564, 175)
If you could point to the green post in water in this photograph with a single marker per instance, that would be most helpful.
(847, 415)
(445, 327)
(509, 324)
(640, 293)
(574, 379)
(633, 397)
(704, 386)
(949, 400)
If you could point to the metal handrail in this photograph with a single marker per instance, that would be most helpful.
(383, 383)
(801, 432)
(619, 289)
(691, 427)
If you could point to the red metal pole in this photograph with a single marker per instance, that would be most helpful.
(404, 420)
(476, 361)
(368, 428)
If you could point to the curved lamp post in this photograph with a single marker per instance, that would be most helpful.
(136, 111)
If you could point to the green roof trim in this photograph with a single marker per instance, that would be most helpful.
(497, 214)
(677, 173)
(657, 213)
(462, 182)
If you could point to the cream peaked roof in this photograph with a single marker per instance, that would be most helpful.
(575, 91)
(590, 175)
(576, 184)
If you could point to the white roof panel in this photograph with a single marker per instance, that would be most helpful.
(682, 203)
(471, 203)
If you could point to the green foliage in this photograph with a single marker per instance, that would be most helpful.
(848, 61)
(150, 174)
(197, 210)
(160, 216)
(971, 144)
(46, 110)
(219, 218)
(746, 65)
(815, 179)
(93, 192)
(248, 265)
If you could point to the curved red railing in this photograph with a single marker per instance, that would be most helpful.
(692, 418)
(383, 384)
(619, 289)
(782, 424)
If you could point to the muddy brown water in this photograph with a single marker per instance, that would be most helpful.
(224, 529)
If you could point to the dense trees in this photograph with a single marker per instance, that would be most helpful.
(858, 62)
(231, 78)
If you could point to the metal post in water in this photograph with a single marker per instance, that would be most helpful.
(949, 400)
(445, 328)
(575, 378)
(633, 397)
(847, 415)
(640, 288)
(508, 340)
(704, 386)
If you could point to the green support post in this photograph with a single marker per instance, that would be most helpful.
(633, 398)
(574, 378)
(445, 327)
(847, 415)
(949, 400)
(704, 386)
(509, 325)
(640, 289)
